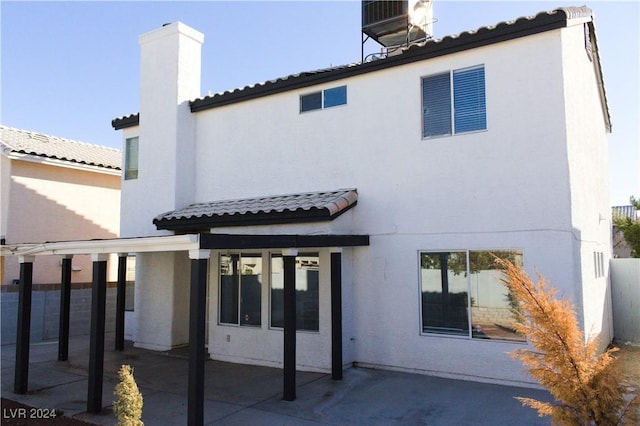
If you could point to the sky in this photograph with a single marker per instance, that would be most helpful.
(68, 68)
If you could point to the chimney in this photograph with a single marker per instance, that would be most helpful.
(170, 68)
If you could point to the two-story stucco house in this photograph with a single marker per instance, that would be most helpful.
(413, 168)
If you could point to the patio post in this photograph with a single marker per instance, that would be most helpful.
(197, 329)
(121, 300)
(96, 342)
(21, 377)
(289, 259)
(336, 315)
(65, 303)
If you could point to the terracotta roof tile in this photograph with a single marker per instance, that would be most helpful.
(310, 206)
(39, 144)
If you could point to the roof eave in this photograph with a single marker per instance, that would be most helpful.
(467, 40)
(70, 164)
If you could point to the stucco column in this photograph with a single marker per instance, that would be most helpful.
(121, 300)
(96, 342)
(197, 328)
(65, 306)
(23, 335)
(289, 386)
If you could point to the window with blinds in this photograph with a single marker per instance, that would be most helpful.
(454, 102)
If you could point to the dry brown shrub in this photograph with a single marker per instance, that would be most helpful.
(585, 384)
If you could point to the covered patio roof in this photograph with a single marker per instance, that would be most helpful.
(199, 247)
(184, 242)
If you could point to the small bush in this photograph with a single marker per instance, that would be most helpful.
(587, 388)
(128, 407)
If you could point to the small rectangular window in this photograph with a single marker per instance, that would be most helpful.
(311, 101)
(325, 99)
(454, 102)
(131, 159)
(336, 96)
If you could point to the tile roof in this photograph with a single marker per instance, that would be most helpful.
(41, 145)
(507, 30)
(304, 207)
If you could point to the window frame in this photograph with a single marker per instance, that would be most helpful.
(238, 289)
(452, 99)
(323, 99)
(469, 335)
(130, 172)
(276, 255)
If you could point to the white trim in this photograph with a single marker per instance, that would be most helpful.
(99, 257)
(117, 245)
(199, 254)
(290, 252)
(62, 163)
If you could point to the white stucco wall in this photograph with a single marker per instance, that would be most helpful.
(513, 186)
(161, 311)
(169, 78)
(588, 174)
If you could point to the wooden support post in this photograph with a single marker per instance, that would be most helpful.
(121, 301)
(21, 378)
(336, 316)
(65, 306)
(197, 329)
(96, 342)
(289, 259)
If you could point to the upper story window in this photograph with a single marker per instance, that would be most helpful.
(131, 158)
(454, 102)
(324, 99)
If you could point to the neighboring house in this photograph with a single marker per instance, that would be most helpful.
(622, 249)
(55, 189)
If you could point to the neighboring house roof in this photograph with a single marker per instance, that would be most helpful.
(503, 31)
(305, 207)
(40, 145)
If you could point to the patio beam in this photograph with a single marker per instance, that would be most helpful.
(96, 342)
(21, 372)
(65, 306)
(197, 329)
(289, 385)
(251, 241)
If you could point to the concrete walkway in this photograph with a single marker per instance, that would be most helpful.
(248, 395)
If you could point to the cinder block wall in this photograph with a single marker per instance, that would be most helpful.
(45, 311)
